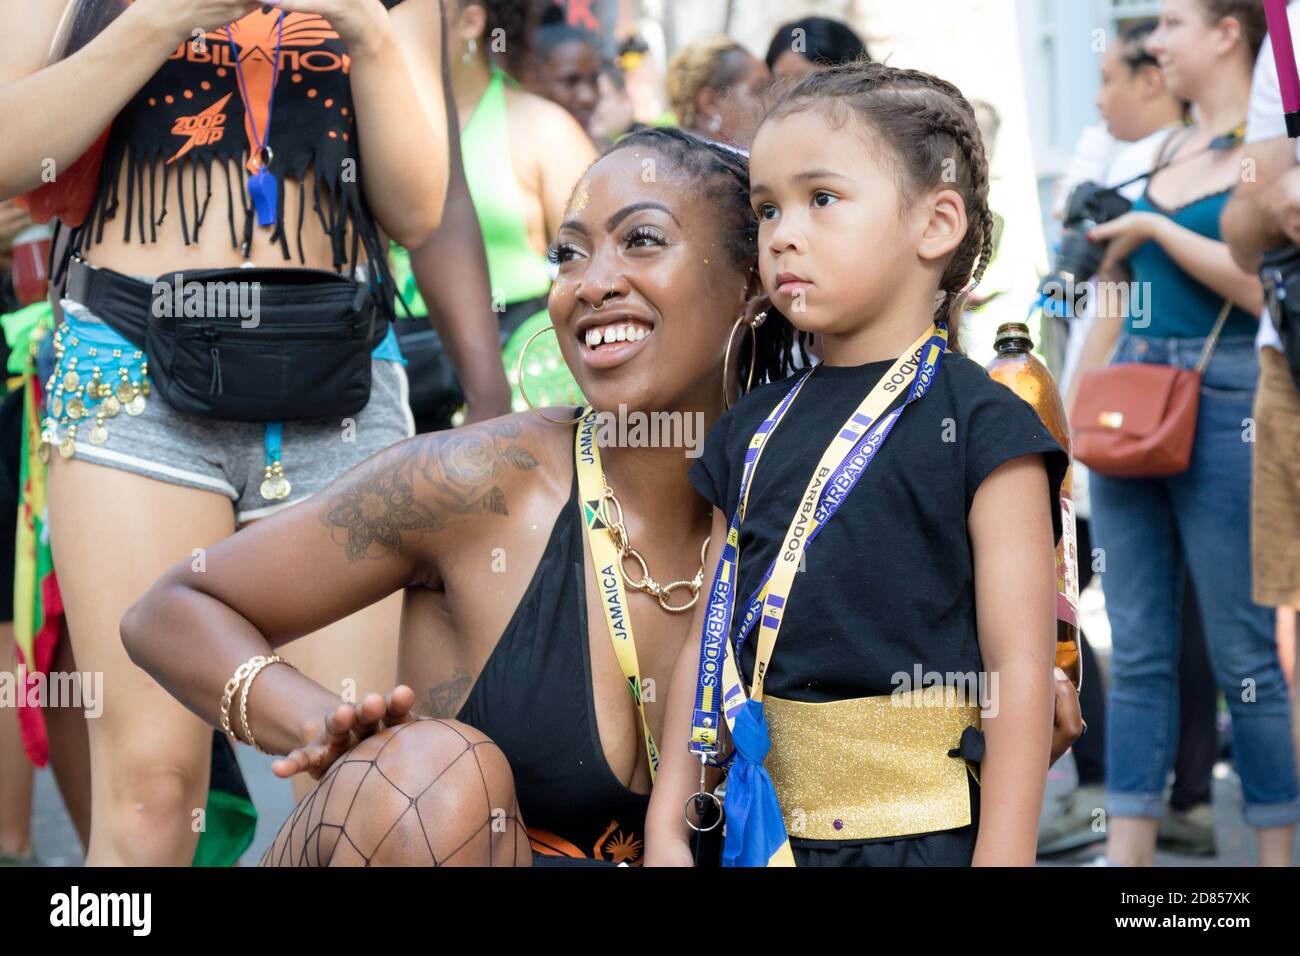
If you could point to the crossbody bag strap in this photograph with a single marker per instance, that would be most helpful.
(1207, 351)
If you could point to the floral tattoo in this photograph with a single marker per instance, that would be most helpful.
(421, 485)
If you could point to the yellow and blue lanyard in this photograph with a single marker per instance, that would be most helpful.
(606, 564)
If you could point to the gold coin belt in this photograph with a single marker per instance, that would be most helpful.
(274, 485)
(89, 383)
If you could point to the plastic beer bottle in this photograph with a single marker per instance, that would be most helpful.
(1016, 367)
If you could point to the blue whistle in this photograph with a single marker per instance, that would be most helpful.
(264, 191)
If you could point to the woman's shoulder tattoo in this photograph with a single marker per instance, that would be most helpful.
(424, 484)
(441, 700)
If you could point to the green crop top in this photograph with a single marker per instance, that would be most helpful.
(517, 270)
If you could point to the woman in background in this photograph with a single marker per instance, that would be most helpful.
(615, 114)
(1138, 111)
(715, 87)
(568, 67)
(1155, 529)
(450, 338)
(813, 43)
(522, 156)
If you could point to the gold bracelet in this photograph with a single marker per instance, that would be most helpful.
(228, 695)
(243, 698)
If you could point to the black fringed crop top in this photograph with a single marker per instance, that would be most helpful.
(187, 133)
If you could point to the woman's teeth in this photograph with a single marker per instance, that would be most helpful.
(624, 332)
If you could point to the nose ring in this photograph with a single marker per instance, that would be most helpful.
(602, 306)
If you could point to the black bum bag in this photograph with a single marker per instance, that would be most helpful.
(248, 345)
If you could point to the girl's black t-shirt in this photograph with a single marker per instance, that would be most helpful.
(888, 584)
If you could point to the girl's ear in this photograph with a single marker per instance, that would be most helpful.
(945, 225)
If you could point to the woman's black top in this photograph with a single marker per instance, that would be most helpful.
(186, 136)
(534, 699)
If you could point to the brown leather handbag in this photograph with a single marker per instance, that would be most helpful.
(1138, 420)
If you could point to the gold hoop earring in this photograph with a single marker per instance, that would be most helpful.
(519, 371)
(753, 357)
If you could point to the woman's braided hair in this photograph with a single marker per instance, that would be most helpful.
(934, 139)
(722, 174)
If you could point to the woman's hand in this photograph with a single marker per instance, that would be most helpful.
(1285, 204)
(356, 21)
(187, 16)
(1125, 234)
(1067, 719)
(345, 727)
(13, 220)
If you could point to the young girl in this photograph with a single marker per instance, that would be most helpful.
(924, 536)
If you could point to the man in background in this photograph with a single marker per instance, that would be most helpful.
(1264, 214)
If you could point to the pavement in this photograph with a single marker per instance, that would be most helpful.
(57, 844)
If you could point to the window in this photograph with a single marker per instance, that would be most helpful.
(1119, 10)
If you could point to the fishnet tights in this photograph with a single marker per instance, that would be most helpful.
(427, 793)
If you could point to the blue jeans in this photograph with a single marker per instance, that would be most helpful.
(1151, 530)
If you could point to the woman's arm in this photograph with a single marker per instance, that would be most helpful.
(452, 275)
(1014, 558)
(1206, 260)
(396, 84)
(668, 838)
(1264, 211)
(392, 522)
(563, 154)
(54, 113)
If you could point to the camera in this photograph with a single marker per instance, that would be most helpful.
(1090, 204)
(1280, 273)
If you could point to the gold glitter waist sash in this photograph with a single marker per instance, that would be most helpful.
(869, 767)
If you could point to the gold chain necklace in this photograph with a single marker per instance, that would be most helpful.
(647, 584)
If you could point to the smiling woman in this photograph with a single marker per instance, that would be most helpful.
(519, 638)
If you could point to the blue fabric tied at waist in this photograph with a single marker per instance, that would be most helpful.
(388, 349)
(755, 827)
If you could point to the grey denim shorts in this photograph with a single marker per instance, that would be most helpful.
(230, 457)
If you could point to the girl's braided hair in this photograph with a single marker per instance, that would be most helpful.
(935, 142)
(723, 176)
